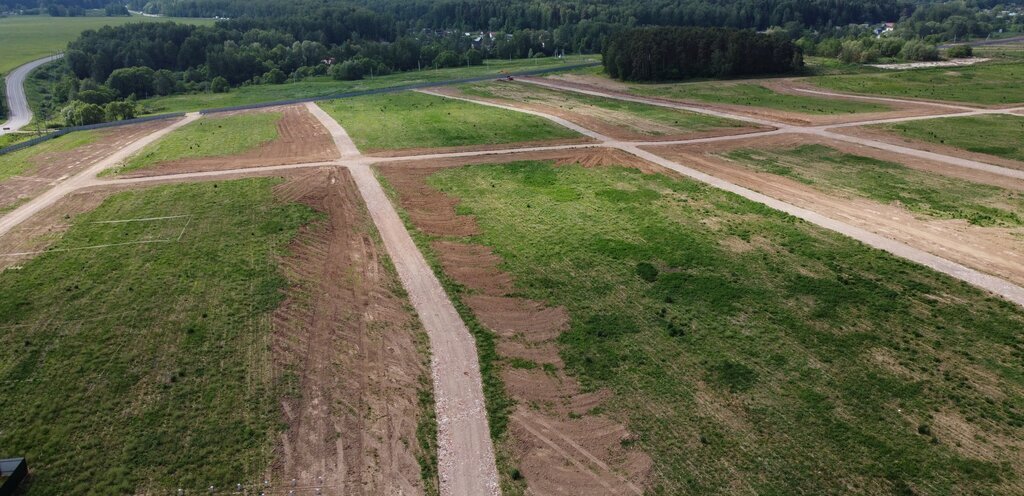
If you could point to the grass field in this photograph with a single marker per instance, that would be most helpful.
(325, 86)
(625, 114)
(27, 38)
(887, 182)
(13, 164)
(999, 135)
(986, 84)
(756, 336)
(207, 137)
(416, 120)
(142, 368)
(755, 95)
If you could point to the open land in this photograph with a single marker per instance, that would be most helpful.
(668, 293)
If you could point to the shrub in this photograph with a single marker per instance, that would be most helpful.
(275, 76)
(647, 271)
(919, 50)
(219, 85)
(79, 113)
(960, 51)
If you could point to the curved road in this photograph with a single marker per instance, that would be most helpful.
(17, 103)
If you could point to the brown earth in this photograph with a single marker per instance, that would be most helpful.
(49, 168)
(353, 350)
(300, 139)
(895, 138)
(994, 250)
(786, 86)
(557, 443)
(618, 125)
(587, 157)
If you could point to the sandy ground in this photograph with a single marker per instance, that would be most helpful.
(558, 445)
(996, 251)
(897, 139)
(345, 332)
(614, 124)
(49, 168)
(785, 86)
(300, 139)
(937, 63)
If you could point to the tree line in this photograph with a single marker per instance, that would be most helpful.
(667, 53)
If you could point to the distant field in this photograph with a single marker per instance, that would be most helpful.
(889, 183)
(415, 120)
(642, 119)
(325, 86)
(755, 95)
(208, 137)
(986, 84)
(999, 135)
(18, 162)
(26, 38)
(736, 339)
(141, 368)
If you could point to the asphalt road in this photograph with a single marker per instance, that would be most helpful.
(17, 103)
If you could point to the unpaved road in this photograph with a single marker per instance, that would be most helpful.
(17, 102)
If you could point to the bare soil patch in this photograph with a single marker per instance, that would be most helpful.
(50, 168)
(952, 151)
(558, 444)
(345, 338)
(301, 138)
(614, 124)
(994, 250)
(412, 152)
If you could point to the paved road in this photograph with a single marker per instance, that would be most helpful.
(17, 103)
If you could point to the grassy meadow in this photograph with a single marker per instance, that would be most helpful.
(323, 86)
(984, 84)
(212, 136)
(19, 162)
(736, 338)
(414, 120)
(754, 95)
(924, 193)
(140, 368)
(637, 117)
(27, 38)
(999, 135)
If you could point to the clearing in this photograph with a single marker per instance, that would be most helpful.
(992, 84)
(992, 135)
(275, 136)
(416, 121)
(615, 118)
(632, 313)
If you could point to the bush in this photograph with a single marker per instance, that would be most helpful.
(919, 51)
(647, 271)
(219, 85)
(275, 76)
(960, 51)
(119, 111)
(129, 81)
(447, 58)
(82, 114)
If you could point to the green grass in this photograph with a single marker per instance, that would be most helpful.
(624, 113)
(27, 38)
(143, 368)
(208, 137)
(755, 95)
(748, 363)
(999, 135)
(325, 86)
(986, 83)
(921, 192)
(414, 120)
(20, 162)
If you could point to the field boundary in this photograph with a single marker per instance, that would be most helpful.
(67, 130)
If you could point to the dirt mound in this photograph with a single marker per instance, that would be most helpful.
(49, 168)
(300, 139)
(346, 348)
(585, 455)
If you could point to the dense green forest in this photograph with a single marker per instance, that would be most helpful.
(667, 53)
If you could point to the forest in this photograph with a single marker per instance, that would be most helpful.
(666, 53)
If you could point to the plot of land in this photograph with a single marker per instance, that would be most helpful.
(984, 84)
(410, 121)
(998, 135)
(722, 339)
(248, 139)
(615, 118)
(175, 352)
